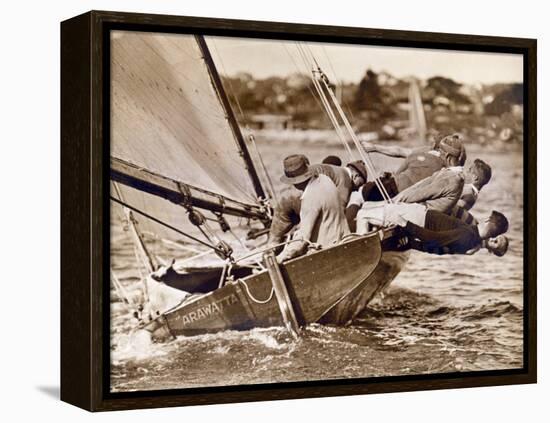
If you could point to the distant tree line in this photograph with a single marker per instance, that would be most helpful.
(372, 101)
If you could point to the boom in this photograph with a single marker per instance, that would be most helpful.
(179, 192)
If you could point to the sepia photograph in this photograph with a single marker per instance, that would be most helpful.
(296, 211)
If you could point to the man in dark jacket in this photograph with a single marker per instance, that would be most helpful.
(443, 234)
(419, 164)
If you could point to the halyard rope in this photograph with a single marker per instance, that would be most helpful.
(318, 75)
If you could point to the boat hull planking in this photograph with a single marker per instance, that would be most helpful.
(315, 282)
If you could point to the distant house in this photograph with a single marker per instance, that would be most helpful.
(270, 121)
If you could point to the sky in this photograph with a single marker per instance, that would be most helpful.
(348, 63)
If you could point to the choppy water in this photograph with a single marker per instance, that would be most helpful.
(441, 314)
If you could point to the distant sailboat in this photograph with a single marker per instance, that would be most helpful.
(417, 118)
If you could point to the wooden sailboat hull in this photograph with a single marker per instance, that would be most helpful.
(391, 263)
(315, 283)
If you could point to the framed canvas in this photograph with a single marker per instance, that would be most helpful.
(258, 211)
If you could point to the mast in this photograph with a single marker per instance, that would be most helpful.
(179, 192)
(241, 144)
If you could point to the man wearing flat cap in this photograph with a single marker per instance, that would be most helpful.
(322, 218)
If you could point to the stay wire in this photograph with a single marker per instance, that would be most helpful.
(324, 100)
(334, 120)
(160, 222)
(305, 50)
(339, 82)
(143, 256)
(363, 154)
(323, 105)
(121, 292)
(301, 71)
(350, 130)
(365, 157)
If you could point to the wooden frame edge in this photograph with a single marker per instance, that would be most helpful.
(76, 298)
(83, 215)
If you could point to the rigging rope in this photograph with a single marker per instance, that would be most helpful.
(244, 247)
(121, 292)
(319, 77)
(335, 123)
(143, 256)
(146, 297)
(325, 102)
(254, 299)
(362, 153)
(339, 81)
(300, 71)
(160, 222)
(196, 256)
(230, 85)
(252, 140)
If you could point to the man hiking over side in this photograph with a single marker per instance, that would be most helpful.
(435, 232)
(477, 176)
(448, 187)
(419, 163)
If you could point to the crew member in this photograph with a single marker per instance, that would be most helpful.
(419, 164)
(435, 232)
(347, 179)
(322, 219)
(332, 160)
(287, 213)
(445, 234)
(478, 175)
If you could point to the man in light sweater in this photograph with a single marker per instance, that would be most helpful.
(287, 213)
(445, 190)
(477, 176)
(322, 218)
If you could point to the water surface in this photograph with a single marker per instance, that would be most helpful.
(441, 314)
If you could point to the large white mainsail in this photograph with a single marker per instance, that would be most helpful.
(168, 118)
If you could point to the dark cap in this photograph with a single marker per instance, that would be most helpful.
(332, 160)
(453, 145)
(359, 166)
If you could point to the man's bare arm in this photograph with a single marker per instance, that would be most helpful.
(387, 150)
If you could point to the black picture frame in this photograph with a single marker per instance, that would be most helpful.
(85, 211)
